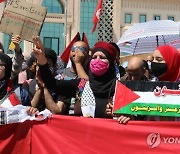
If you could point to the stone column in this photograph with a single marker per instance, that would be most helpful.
(116, 20)
(68, 38)
(76, 17)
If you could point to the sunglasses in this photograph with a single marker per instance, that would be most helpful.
(82, 49)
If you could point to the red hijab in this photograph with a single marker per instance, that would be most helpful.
(172, 58)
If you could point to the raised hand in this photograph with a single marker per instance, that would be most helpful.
(78, 58)
(38, 51)
(16, 40)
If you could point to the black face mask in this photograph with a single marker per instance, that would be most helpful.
(158, 69)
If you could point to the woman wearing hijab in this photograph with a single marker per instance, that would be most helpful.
(166, 67)
(96, 93)
(5, 74)
(8, 97)
(102, 78)
(166, 63)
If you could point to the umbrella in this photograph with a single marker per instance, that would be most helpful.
(145, 37)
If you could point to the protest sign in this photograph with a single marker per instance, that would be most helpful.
(22, 18)
(147, 98)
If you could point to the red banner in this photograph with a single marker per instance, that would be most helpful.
(15, 138)
(65, 134)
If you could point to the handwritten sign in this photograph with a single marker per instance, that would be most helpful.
(154, 98)
(22, 18)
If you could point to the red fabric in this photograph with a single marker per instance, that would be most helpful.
(2, 1)
(97, 14)
(172, 59)
(84, 39)
(66, 53)
(15, 138)
(10, 85)
(14, 99)
(67, 135)
(108, 47)
(78, 135)
(123, 96)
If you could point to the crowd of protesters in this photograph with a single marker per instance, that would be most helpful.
(87, 87)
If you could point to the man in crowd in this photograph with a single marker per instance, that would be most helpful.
(135, 70)
(79, 58)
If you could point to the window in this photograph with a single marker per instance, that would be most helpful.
(142, 18)
(53, 6)
(171, 18)
(52, 35)
(128, 18)
(87, 10)
(157, 17)
(51, 42)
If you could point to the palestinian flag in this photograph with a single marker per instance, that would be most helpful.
(147, 98)
(127, 44)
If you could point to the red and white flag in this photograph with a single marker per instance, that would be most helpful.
(97, 14)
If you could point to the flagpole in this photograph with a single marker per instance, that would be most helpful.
(65, 23)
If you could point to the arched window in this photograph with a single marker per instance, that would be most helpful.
(54, 6)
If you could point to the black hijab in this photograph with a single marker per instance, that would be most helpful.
(8, 68)
(103, 87)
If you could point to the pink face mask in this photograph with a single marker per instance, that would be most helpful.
(98, 67)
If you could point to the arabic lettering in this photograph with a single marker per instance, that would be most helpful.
(164, 91)
(146, 108)
(177, 110)
(158, 108)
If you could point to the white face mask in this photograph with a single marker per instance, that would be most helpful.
(149, 64)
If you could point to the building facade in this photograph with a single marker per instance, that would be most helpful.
(67, 17)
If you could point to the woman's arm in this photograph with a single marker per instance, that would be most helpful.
(54, 107)
(36, 98)
(66, 88)
(62, 87)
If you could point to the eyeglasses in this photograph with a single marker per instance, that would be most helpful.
(82, 49)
